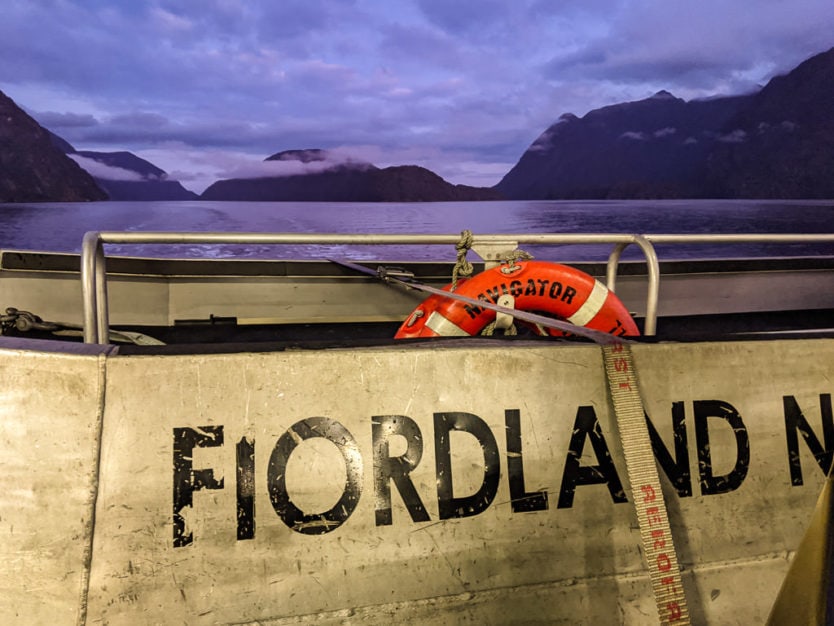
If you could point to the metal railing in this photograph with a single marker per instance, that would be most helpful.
(489, 247)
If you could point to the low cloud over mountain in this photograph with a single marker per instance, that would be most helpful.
(775, 143)
(125, 176)
(782, 143)
(298, 163)
(326, 176)
(101, 170)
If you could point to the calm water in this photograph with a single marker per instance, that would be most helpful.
(61, 226)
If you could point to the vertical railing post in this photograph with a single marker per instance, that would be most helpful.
(89, 250)
(613, 264)
(653, 270)
(102, 304)
(94, 289)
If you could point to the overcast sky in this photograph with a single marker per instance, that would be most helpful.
(206, 89)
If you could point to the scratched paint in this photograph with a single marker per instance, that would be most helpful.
(346, 480)
(48, 425)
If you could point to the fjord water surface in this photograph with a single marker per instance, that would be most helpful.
(59, 227)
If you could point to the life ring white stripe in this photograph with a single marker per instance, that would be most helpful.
(591, 306)
(444, 327)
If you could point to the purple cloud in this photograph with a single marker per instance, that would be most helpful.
(442, 82)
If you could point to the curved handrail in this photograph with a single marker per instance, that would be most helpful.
(653, 269)
(94, 271)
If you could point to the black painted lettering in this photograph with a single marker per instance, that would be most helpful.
(795, 422)
(522, 501)
(677, 469)
(245, 452)
(530, 289)
(187, 480)
(472, 310)
(710, 483)
(555, 289)
(291, 515)
(585, 427)
(515, 288)
(493, 293)
(570, 292)
(543, 283)
(449, 506)
(396, 468)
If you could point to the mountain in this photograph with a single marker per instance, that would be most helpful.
(125, 176)
(32, 169)
(152, 183)
(785, 138)
(318, 177)
(652, 148)
(308, 155)
(776, 143)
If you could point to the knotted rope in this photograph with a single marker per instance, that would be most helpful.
(511, 260)
(462, 266)
(489, 329)
(509, 265)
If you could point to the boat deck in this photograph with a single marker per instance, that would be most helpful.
(297, 304)
(183, 473)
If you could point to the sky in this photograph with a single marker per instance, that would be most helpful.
(207, 89)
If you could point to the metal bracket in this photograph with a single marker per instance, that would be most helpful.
(504, 320)
(24, 321)
(397, 273)
(494, 251)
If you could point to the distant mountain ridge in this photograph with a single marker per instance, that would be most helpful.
(777, 143)
(32, 169)
(344, 181)
(649, 148)
(786, 146)
(127, 177)
(155, 184)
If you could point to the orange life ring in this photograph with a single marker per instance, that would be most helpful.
(559, 290)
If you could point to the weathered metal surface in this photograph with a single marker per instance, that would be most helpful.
(49, 410)
(455, 484)
(317, 292)
(289, 301)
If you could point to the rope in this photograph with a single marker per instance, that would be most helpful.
(512, 259)
(509, 265)
(462, 266)
(489, 330)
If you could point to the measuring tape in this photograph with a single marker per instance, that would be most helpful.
(652, 517)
